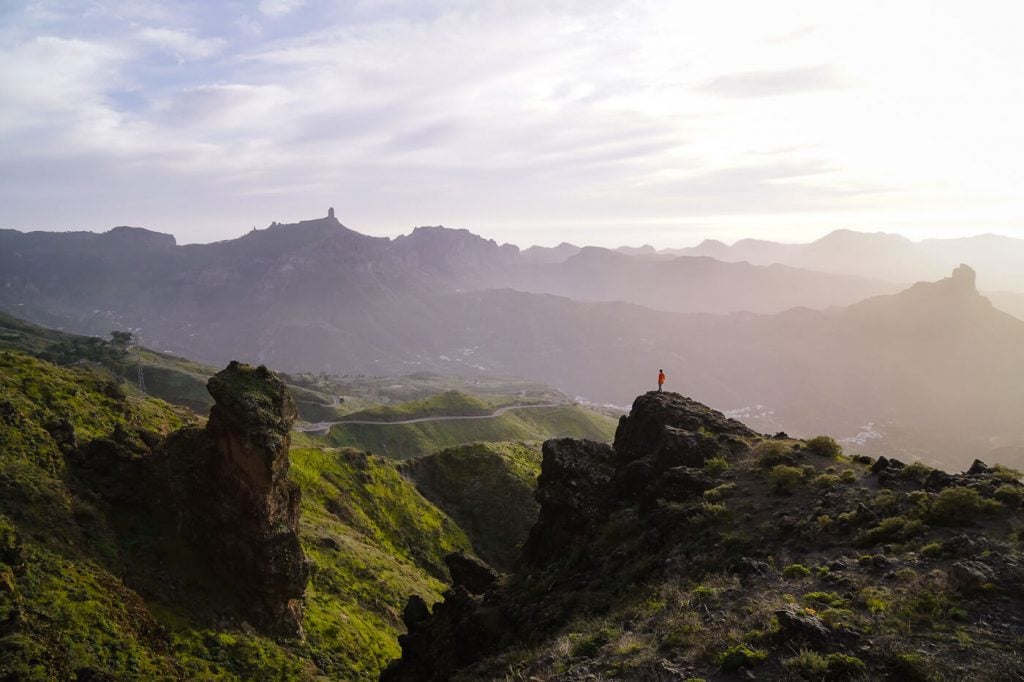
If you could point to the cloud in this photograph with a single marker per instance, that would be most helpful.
(750, 84)
(182, 44)
(280, 8)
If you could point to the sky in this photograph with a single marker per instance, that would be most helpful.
(602, 122)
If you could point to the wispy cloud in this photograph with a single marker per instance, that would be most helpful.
(784, 82)
(279, 8)
(182, 44)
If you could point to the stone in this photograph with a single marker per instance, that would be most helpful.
(798, 623)
(471, 573)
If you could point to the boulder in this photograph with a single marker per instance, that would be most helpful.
(470, 573)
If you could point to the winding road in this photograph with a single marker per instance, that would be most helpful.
(324, 426)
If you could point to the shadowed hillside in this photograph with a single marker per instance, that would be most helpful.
(695, 548)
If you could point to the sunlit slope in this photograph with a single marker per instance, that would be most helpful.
(93, 587)
(400, 436)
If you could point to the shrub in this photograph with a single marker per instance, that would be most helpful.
(915, 471)
(830, 599)
(740, 656)
(848, 476)
(824, 446)
(1012, 495)
(772, 452)
(715, 466)
(785, 478)
(795, 572)
(825, 481)
(843, 665)
(911, 667)
(719, 492)
(954, 506)
(894, 528)
(1006, 474)
(932, 550)
(807, 664)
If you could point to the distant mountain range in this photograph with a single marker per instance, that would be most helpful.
(934, 371)
(881, 256)
(997, 259)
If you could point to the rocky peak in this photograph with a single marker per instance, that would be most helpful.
(139, 237)
(230, 488)
(658, 416)
(965, 279)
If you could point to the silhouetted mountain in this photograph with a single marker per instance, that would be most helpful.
(934, 371)
(885, 256)
(685, 284)
(550, 254)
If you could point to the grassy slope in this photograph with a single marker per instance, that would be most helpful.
(67, 607)
(449, 403)
(176, 380)
(876, 566)
(488, 489)
(401, 441)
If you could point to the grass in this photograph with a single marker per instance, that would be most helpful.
(75, 569)
(402, 441)
(488, 489)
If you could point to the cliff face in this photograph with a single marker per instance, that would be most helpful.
(695, 547)
(230, 491)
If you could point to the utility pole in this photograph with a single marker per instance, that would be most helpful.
(138, 361)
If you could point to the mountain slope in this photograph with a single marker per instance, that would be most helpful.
(109, 546)
(488, 489)
(695, 548)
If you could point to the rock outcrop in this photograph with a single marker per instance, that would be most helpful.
(696, 548)
(657, 454)
(230, 490)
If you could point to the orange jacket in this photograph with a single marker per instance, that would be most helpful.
(661, 378)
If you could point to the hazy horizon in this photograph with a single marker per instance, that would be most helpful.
(608, 123)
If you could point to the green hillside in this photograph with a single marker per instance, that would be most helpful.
(449, 404)
(93, 589)
(488, 489)
(168, 377)
(401, 441)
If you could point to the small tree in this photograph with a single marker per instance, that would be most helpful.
(120, 340)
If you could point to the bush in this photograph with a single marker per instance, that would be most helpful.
(1006, 474)
(720, 492)
(848, 476)
(915, 471)
(715, 466)
(824, 446)
(892, 529)
(740, 656)
(785, 478)
(807, 664)
(955, 506)
(772, 452)
(932, 550)
(795, 572)
(825, 481)
(842, 665)
(911, 667)
(830, 599)
(1012, 495)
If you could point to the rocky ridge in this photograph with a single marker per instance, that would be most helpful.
(694, 547)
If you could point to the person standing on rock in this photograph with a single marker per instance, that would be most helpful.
(661, 379)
